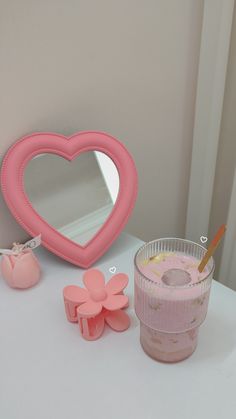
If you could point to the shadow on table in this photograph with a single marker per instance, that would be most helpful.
(217, 338)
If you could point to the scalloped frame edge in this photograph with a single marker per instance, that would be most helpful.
(12, 173)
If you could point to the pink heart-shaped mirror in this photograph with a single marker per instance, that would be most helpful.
(68, 150)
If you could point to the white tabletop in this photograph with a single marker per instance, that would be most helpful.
(47, 371)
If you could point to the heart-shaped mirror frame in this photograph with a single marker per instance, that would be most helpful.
(12, 177)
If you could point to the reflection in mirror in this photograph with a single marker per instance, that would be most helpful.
(75, 197)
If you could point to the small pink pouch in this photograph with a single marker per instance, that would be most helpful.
(21, 270)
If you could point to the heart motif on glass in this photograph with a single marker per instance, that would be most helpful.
(12, 175)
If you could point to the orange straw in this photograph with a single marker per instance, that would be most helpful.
(212, 247)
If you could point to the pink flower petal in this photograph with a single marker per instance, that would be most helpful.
(75, 294)
(93, 279)
(117, 283)
(118, 320)
(115, 302)
(89, 309)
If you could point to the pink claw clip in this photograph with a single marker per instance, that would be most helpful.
(97, 304)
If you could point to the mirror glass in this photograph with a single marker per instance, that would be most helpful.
(75, 197)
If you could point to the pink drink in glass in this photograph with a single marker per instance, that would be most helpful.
(171, 297)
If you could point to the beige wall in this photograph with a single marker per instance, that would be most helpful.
(226, 161)
(127, 67)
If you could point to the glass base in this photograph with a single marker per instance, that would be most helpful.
(168, 347)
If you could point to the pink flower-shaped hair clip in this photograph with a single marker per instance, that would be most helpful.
(97, 304)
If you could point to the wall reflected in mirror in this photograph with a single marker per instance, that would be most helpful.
(74, 197)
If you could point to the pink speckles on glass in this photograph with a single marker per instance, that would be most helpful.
(168, 347)
(171, 297)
